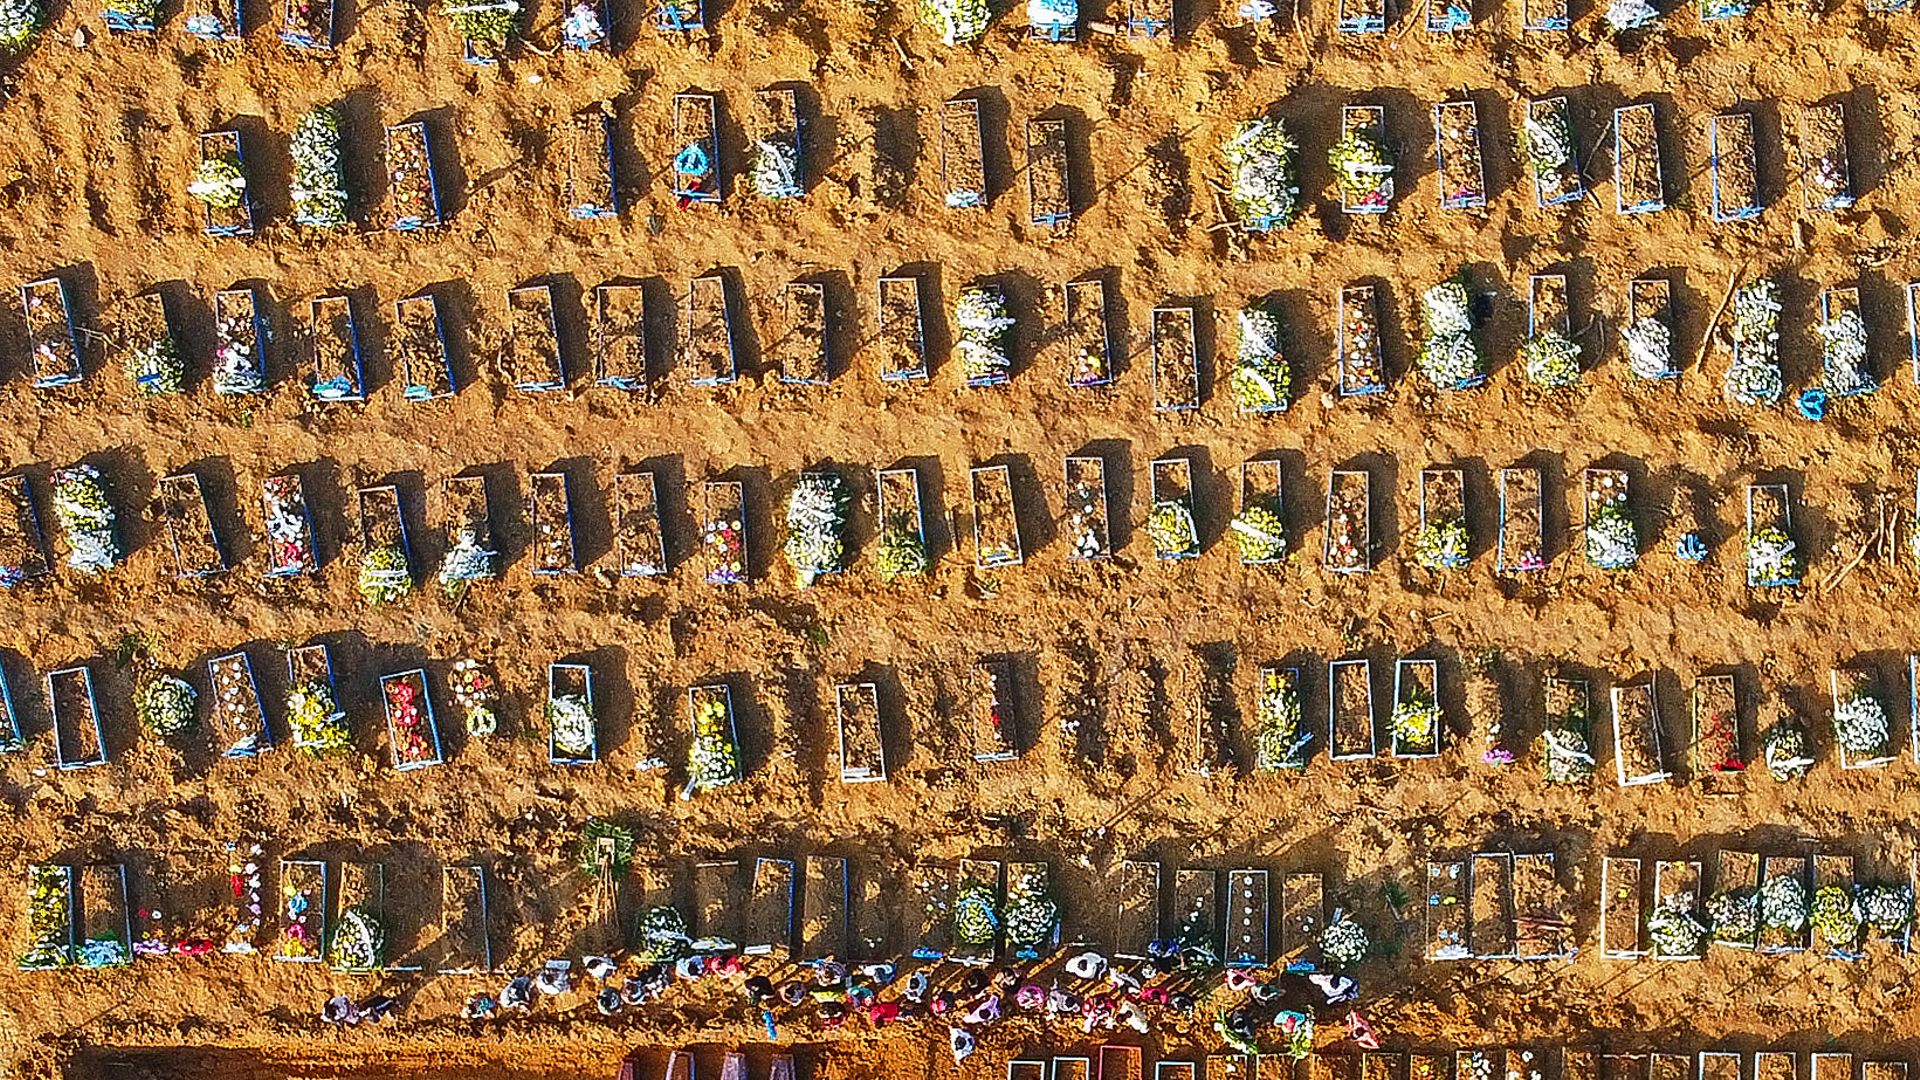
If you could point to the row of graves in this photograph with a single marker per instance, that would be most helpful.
(807, 331)
(816, 528)
(1260, 159)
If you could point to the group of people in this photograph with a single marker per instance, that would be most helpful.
(1087, 989)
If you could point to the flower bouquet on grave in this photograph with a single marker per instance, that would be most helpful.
(1771, 556)
(1361, 169)
(1612, 541)
(384, 577)
(899, 552)
(80, 504)
(1170, 526)
(219, 182)
(359, 941)
(49, 919)
(981, 327)
(163, 703)
(727, 551)
(1296, 1029)
(155, 365)
(319, 726)
(1032, 914)
(1754, 377)
(1416, 721)
(816, 526)
(1279, 741)
(1261, 381)
(1783, 905)
(1547, 143)
(1343, 942)
(775, 173)
(583, 28)
(485, 24)
(1786, 750)
(1887, 908)
(413, 736)
(475, 695)
(467, 561)
(243, 883)
(1734, 915)
(712, 760)
(19, 21)
(1551, 360)
(1259, 533)
(236, 350)
(1672, 929)
(975, 918)
(1449, 357)
(319, 184)
(1860, 725)
(1844, 355)
(570, 719)
(1443, 543)
(1264, 190)
(1623, 15)
(1835, 916)
(1649, 346)
(302, 922)
(663, 936)
(956, 20)
(286, 521)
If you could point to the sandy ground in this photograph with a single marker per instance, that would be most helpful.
(98, 147)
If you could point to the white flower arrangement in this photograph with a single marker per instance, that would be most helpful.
(1048, 15)
(1649, 348)
(956, 21)
(1549, 144)
(164, 704)
(1754, 377)
(816, 525)
(466, 560)
(1343, 942)
(1630, 14)
(1734, 915)
(319, 184)
(1785, 750)
(1860, 725)
(776, 170)
(1844, 355)
(1783, 904)
(1612, 543)
(1551, 360)
(80, 503)
(1260, 157)
(1260, 377)
(1672, 929)
(19, 21)
(358, 941)
(1449, 358)
(1886, 908)
(981, 323)
(1771, 557)
(570, 720)
(1031, 913)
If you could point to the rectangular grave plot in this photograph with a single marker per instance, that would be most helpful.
(1456, 127)
(1547, 306)
(824, 928)
(471, 553)
(1026, 1069)
(1349, 537)
(591, 188)
(1835, 872)
(312, 666)
(1165, 1069)
(237, 219)
(638, 542)
(335, 340)
(215, 20)
(1048, 199)
(1676, 885)
(1087, 525)
(106, 920)
(1176, 360)
(239, 718)
(1429, 1066)
(289, 526)
(719, 914)
(706, 345)
(1350, 710)
(1492, 906)
(1620, 909)
(1136, 924)
(1797, 869)
(995, 717)
(1471, 1063)
(933, 888)
(1303, 916)
(696, 165)
(719, 739)
(572, 738)
(12, 735)
(1775, 1065)
(1229, 1067)
(1734, 167)
(863, 756)
(1026, 882)
(308, 24)
(1170, 483)
(1638, 755)
(413, 193)
(780, 113)
(1716, 726)
(1383, 1065)
(723, 531)
(1637, 186)
(1361, 368)
(1604, 496)
(190, 537)
(996, 527)
(240, 343)
(466, 945)
(53, 345)
(1443, 505)
(801, 349)
(902, 337)
(1543, 929)
(412, 731)
(979, 873)
(1280, 1067)
(1123, 1063)
(1546, 15)
(1085, 335)
(1830, 1066)
(420, 339)
(1652, 298)
(963, 169)
(1265, 540)
(1669, 1067)
(1416, 697)
(362, 886)
(1579, 1064)
(1845, 376)
(1196, 914)
(1719, 1065)
(550, 512)
(381, 525)
(145, 347)
(78, 739)
(1768, 508)
(769, 916)
(1247, 918)
(897, 493)
(23, 544)
(620, 336)
(306, 903)
(51, 900)
(681, 17)
(1521, 543)
(1826, 171)
(1883, 1070)
(1149, 19)
(1366, 189)
(1070, 1068)
(1736, 873)
(1624, 1067)
(533, 340)
(1447, 16)
(1363, 16)
(1446, 911)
